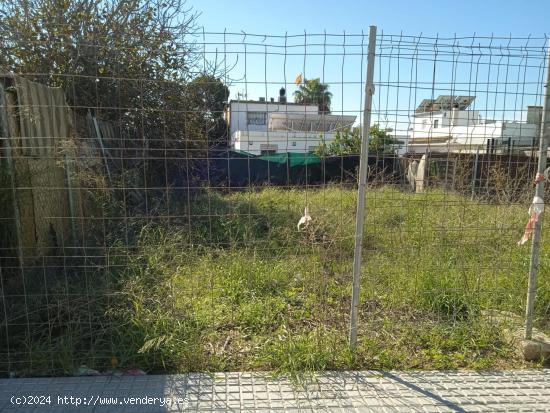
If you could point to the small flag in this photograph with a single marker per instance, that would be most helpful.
(298, 80)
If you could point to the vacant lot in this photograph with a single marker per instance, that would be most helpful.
(238, 287)
(229, 283)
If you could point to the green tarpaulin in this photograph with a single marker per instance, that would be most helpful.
(293, 159)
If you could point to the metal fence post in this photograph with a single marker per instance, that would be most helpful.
(363, 167)
(535, 246)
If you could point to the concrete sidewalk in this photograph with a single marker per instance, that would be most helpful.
(365, 391)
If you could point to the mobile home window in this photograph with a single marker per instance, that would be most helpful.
(256, 118)
(436, 123)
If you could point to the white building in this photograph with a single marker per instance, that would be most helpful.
(447, 125)
(265, 127)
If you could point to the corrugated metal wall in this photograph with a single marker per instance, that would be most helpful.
(39, 137)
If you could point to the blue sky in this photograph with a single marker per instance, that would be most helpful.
(430, 17)
(504, 82)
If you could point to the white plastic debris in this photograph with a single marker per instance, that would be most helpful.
(536, 208)
(411, 174)
(306, 218)
(544, 176)
(421, 174)
(135, 372)
(86, 371)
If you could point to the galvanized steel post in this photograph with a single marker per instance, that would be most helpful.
(363, 168)
(535, 246)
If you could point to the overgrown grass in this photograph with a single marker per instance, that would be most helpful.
(238, 287)
(252, 292)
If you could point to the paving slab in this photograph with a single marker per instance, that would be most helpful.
(360, 391)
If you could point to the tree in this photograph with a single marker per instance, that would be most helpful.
(128, 61)
(313, 91)
(104, 53)
(348, 142)
(207, 96)
(380, 142)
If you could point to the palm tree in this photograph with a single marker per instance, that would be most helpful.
(313, 91)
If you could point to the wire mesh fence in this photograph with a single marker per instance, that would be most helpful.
(195, 208)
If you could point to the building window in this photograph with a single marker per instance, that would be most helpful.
(436, 123)
(268, 149)
(250, 143)
(293, 143)
(256, 118)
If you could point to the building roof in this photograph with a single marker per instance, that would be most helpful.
(307, 122)
(445, 102)
(269, 102)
